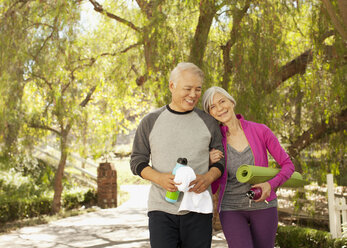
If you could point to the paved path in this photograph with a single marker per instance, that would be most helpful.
(122, 227)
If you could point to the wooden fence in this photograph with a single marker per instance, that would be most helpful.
(337, 211)
(85, 176)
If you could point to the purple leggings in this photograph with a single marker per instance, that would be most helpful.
(250, 229)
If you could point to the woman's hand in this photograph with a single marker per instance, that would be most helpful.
(266, 190)
(215, 155)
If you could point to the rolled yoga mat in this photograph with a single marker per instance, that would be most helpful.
(256, 174)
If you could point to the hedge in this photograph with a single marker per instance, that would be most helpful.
(11, 209)
(15, 209)
(300, 237)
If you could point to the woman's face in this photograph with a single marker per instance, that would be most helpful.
(222, 109)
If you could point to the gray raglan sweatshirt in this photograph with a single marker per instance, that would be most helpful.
(165, 135)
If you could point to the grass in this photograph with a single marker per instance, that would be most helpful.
(125, 177)
(124, 174)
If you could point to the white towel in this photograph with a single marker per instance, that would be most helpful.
(199, 203)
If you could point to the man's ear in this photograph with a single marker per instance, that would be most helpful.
(171, 86)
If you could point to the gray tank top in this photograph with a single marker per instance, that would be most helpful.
(235, 192)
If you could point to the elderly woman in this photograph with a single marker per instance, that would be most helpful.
(245, 223)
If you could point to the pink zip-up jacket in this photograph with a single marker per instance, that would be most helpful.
(261, 139)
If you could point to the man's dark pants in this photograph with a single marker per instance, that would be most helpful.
(184, 231)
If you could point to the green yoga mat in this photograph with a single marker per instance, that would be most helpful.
(257, 174)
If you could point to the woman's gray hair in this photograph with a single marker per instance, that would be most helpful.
(182, 67)
(207, 99)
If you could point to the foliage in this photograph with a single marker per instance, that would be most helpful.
(26, 179)
(26, 190)
(77, 198)
(20, 208)
(291, 236)
(15, 208)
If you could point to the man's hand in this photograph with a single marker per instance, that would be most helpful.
(165, 180)
(202, 182)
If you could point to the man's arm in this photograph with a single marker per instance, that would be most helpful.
(216, 169)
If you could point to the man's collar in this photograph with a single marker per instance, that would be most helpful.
(176, 112)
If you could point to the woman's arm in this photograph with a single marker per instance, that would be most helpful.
(281, 157)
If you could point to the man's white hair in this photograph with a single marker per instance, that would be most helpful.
(207, 99)
(182, 67)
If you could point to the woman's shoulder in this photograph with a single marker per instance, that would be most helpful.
(255, 125)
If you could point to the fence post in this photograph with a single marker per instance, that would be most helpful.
(344, 211)
(331, 206)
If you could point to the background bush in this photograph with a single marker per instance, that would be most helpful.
(26, 190)
(15, 208)
(299, 237)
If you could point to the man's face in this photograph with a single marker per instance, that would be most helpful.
(187, 92)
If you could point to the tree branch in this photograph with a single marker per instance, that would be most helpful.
(43, 79)
(131, 47)
(123, 51)
(296, 66)
(98, 8)
(88, 97)
(47, 38)
(299, 65)
(39, 126)
(334, 124)
(237, 18)
(90, 62)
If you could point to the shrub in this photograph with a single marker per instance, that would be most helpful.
(14, 209)
(79, 199)
(299, 237)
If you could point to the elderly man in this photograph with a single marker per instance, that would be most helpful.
(172, 131)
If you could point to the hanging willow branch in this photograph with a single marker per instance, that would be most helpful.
(99, 8)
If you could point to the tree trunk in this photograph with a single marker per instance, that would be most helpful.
(13, 110)
(58, 180)
(208, 10)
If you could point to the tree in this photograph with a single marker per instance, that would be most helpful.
(13, 56)
(283, 61)
(263, 50)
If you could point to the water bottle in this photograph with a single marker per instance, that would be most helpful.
(254, 193)
(173, 196)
